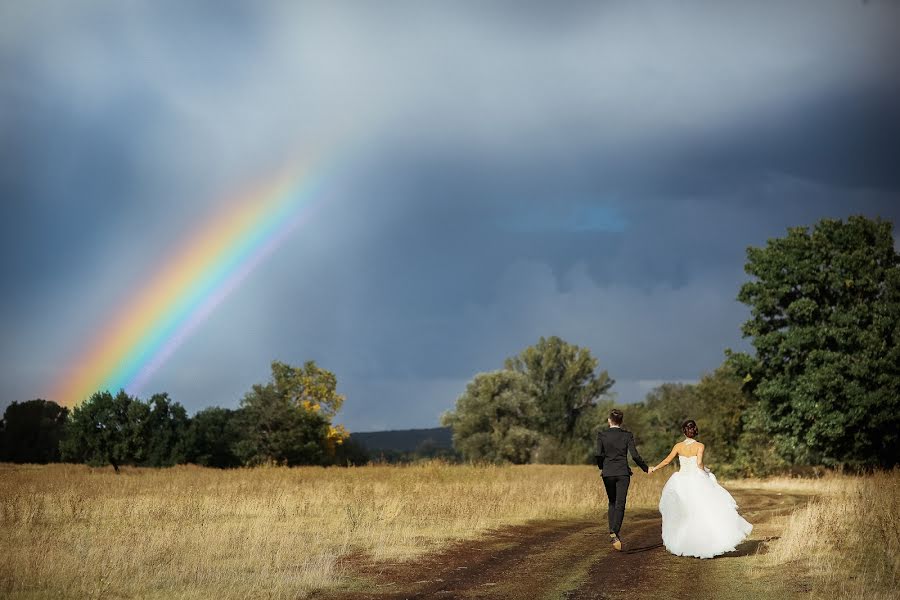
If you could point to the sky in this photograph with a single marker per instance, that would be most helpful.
(497, 172)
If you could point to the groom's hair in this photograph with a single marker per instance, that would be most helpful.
(616, 416)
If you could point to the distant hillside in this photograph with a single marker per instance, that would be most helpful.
(404, 440)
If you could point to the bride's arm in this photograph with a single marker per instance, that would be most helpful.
(700, 456)
(666, 460)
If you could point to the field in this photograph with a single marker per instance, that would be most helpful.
(69, 531)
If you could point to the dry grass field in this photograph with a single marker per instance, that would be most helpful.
(69, 531)
(846, 541)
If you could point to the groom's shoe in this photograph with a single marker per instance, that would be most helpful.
(616, 542)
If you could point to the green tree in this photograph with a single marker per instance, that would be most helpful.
(287, 421)
(106, 429)
(308, 387)
(212, 437)
(495, 417)
(656, 421)
(164, 432)
(726, 414)
(755, 455)
(568, 389)
(30, 431)
(731, 426)
(825, 324)
(720, 412)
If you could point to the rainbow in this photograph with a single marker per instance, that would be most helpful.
(198, 277)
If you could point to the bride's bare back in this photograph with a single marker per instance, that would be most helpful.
(687, 448)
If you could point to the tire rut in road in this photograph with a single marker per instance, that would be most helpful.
(522, 559)
(573, 560)
(646, 570)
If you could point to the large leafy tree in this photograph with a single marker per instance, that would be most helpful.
(107, 429)
(312, 388)
(164, 432)
(494, 418)
(308, 386)
(212, 437)
(288, 420)
(825, 323)
(30, 431)
(568, 386)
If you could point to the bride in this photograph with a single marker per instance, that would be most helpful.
(699, 516)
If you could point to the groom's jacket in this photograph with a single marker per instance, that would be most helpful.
(613, 446)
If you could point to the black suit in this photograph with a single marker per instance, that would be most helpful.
(613, 446)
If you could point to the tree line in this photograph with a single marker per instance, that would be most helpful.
(822, 387)
(287, 421)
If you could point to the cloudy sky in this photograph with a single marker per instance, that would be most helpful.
(506, 170)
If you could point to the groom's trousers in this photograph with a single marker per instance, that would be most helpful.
(617, 491)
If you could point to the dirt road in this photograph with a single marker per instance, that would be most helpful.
(573, 560)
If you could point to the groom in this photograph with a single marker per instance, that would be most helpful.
(613, 445)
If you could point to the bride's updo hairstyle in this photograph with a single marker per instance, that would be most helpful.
(616, 416)
(689, 428)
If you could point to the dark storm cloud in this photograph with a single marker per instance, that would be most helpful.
(846, 139)
(593, 171)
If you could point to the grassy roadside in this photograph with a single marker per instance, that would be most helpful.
(68, 531)
(845, 543)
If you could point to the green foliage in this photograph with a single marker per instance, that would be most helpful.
(755, 455)
(495, 417)
(568, 388)
(721, 410)
(308, 387)
(212, 437)
(825, 323)
(726, 414)
(164, 432)
(543, 407)
(286, 421)
(106, 429)
(579, 448)
(30, 431)
(123, 430)
(566, 383)
(656, 422)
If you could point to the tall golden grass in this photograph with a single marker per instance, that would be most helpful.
(846, 541)
(69, 531)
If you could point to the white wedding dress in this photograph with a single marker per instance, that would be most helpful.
(699, 516)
